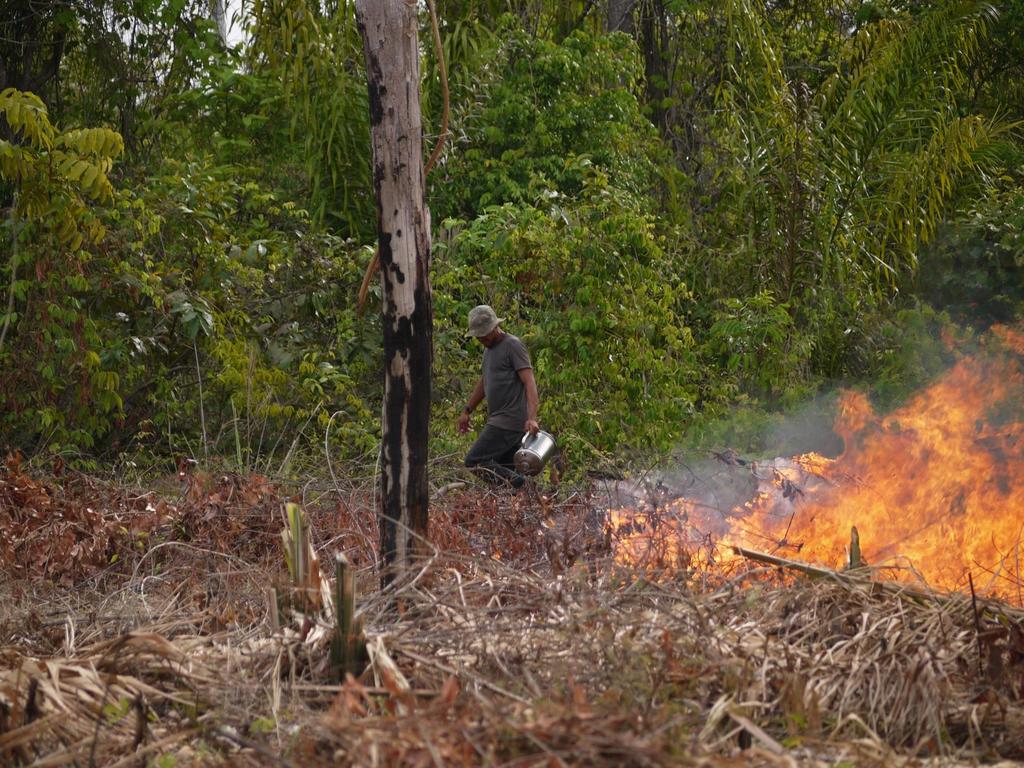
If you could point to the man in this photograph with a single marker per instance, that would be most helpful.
(511, 391)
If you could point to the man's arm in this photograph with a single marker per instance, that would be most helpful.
(475, 397)
(532, 398)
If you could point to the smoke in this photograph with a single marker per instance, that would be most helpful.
(722, 472)
(806, 430)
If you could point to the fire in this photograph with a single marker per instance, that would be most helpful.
(659, 538)
(935, 489)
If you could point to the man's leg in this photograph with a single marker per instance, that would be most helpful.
(492, 454)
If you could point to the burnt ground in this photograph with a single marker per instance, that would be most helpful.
(136, 628)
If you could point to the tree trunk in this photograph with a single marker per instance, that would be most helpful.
(31, 46)
(389, 35)
(219, 16)
(654, 44)
(620, 16)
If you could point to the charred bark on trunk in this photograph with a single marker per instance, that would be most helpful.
(388, 28)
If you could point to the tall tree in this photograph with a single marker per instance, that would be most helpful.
(219, 16)
(389, 31)
(33, 37)
(654, 39)
(620, 16)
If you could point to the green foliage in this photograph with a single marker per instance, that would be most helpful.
(766, 241)
(202, 273)
(826, 195)
(50, 346)
(263, 725)
(246, 291)
(166, 760)
(116, 711)
(55, 173)
(545, 112)
(236, 116)
(911, 348)
(468, 44)
(314, 55)
(591, 292)
(552, 226)
(754, 342)
(975, 266)
(107, 62)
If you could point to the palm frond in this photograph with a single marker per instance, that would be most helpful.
(928, 179)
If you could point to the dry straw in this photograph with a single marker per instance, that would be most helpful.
(548, 654)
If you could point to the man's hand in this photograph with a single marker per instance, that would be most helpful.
(475, 399)
(532, 426)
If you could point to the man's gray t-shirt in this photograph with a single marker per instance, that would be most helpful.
(504, 390)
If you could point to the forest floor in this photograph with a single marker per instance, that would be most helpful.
(136, 629)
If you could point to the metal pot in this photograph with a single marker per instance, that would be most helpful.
(534, 453)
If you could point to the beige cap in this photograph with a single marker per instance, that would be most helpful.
(482, 321)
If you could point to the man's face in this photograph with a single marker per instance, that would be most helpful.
(491, 338)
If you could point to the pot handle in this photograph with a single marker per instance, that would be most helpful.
(527, 436)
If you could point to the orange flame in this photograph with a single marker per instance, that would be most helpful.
(935, 488)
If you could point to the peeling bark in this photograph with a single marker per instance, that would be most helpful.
(389, 31)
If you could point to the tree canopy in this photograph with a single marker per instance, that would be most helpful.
(684, 208)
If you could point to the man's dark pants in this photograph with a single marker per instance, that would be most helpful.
(493, 454)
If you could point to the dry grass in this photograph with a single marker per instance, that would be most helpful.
(519, 643)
